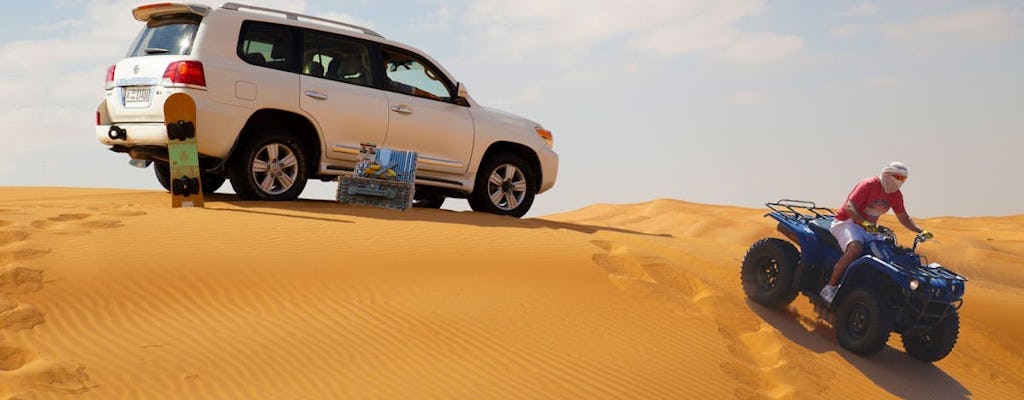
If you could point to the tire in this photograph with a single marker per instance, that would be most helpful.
(767, 272)
(428, 200)
(863, 322)
(270, 166)
(505, 185)
(211, 182)
(937, 344)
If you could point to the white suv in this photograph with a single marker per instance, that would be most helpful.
(284, 97)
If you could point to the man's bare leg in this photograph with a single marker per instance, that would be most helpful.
(853, 251)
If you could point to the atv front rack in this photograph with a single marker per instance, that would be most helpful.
(796, 210)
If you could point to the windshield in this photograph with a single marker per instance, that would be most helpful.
(166, 35)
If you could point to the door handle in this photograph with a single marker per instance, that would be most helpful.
(401, 109)
(315, 94)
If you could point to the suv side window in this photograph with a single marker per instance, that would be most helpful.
(267, 45)
(411, 75)
(336, 57)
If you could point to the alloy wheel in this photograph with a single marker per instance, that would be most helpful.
(506, 187)
(275, 168)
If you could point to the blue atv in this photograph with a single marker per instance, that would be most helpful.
(887, 289)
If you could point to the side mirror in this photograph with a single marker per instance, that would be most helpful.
(460, 95)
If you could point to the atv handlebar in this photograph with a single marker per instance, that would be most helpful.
(920, 238)
(886, 232)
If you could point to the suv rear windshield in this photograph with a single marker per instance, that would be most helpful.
(166, 35)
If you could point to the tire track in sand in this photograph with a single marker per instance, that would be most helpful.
(758, 361)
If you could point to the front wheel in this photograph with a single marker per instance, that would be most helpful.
(863, 322)
(937, 344)
(270, 166)
(768, 270)
(505, 185)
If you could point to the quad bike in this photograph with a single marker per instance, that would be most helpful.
(887, 289)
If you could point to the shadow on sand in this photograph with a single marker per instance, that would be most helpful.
(326, 210)
(892, 370)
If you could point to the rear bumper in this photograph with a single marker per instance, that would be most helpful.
(136, 134)
(217, 127)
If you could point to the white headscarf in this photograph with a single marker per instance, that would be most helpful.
(889, 183)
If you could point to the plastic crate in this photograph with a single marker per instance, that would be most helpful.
(375, 186)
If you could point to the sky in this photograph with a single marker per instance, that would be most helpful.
(731, 102)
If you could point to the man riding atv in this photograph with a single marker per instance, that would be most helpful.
(870, 199)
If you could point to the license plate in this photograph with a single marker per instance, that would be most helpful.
(136, 95)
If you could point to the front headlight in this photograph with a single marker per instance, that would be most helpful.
(914, 284)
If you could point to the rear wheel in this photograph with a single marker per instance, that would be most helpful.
(427, 200)
(936, 344)
(505, 185)
(211, 182)
(270, 166)
(768, 270)
(863, 322)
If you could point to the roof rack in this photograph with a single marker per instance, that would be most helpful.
(295, 17)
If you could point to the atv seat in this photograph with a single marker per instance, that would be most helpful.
(821, 228)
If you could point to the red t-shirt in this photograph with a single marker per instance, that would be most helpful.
(871, 200)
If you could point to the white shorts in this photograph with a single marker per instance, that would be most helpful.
(848, 231)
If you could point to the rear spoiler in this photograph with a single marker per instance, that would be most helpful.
(145, 12)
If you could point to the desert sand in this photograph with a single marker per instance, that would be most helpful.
(112, 294)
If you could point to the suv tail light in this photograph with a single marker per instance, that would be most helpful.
(110, 77)
(185, 74)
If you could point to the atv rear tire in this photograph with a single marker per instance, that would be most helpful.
(937, 344)
(863, 322)
(768, 270)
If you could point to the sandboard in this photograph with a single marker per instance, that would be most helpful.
(182, 153)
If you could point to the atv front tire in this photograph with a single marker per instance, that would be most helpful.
(768, 270)
(863, 322)
(937, 344)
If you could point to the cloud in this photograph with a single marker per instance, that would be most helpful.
(846, 31)
(864, 8)
(879, 81)
(971, 27)
(764, 48)
(751, 98)
(54, 84)
(515, 29)
(438, 20)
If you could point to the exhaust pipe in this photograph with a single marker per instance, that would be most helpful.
(139, 163)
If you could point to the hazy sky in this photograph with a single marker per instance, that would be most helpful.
(723, 102)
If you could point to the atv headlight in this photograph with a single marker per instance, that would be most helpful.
(914, 284)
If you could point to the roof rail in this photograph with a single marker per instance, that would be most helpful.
(295, 17)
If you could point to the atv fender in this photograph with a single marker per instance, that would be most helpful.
(810, 253)
(869, 271)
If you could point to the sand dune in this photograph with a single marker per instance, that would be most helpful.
(111, 294)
